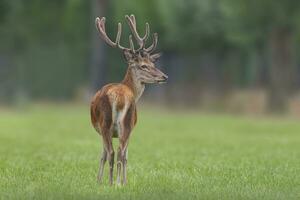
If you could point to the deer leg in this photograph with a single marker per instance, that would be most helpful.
(120, 154)
(123, 155)
(102, 163)
(119, 165)
(111, 156)
(127, 125)
(124, 163)
(109, 150)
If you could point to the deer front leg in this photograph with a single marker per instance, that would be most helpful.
(102, 163)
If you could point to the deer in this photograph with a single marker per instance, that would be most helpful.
(114, 107)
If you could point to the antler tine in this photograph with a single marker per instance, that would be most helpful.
(131, 43)
(147, 32)
(145, 38)
(132, 24)
(100, 24)
(154, 44)
(133, 19)
(119, 36)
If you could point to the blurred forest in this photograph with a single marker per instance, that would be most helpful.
(237, 55)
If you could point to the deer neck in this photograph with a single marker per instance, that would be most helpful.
(133, 83)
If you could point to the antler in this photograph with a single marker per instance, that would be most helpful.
(132, 24)
(100, 24)
(154, 44)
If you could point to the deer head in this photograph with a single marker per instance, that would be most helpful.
(141, 61)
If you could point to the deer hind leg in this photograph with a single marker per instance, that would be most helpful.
(111, 157)
(120, 153)
(102, 164)
(127, 126)
(124, 164)
(119, 166)
(122, 160)
(105, 125)
(108, 154)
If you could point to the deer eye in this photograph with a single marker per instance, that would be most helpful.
(143, 66)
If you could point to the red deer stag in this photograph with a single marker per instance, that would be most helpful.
(113, 108)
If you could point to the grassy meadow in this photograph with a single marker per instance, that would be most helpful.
(52, 152)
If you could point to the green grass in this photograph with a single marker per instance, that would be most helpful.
(50, 152)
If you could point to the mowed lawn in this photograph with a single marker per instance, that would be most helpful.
(52, 152)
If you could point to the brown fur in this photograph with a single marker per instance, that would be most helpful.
(101, 105)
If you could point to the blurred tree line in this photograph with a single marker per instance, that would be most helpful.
(49, 49)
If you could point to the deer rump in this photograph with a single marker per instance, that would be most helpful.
(113, 110)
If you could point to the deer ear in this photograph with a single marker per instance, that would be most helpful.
(154, 57)
(127, 55)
